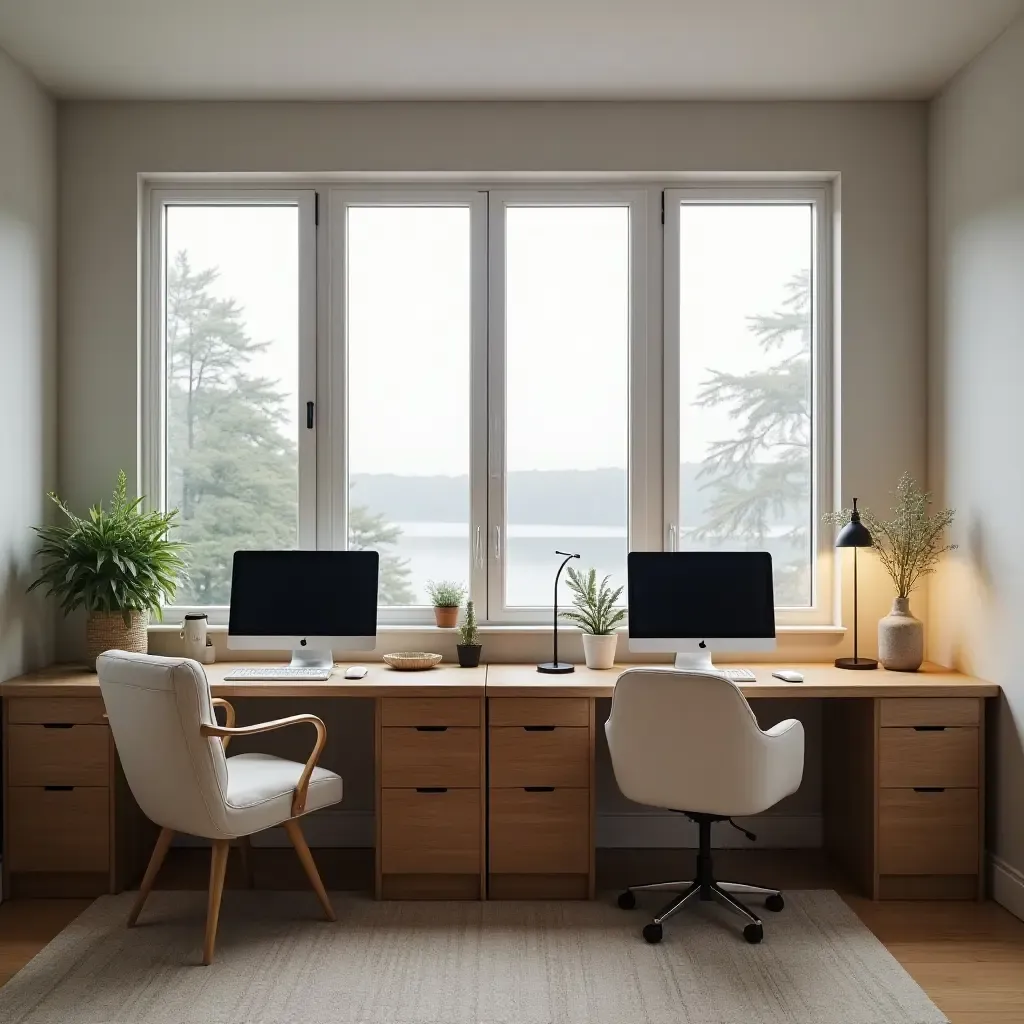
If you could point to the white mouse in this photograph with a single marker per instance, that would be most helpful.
(355, 672)
(788, 675)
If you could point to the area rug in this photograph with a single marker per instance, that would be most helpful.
(460, 963)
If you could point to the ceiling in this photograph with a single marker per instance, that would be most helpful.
(499, 49)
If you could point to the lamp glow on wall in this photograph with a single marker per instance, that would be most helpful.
(855, 535)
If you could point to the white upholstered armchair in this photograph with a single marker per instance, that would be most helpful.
(173, 754)
(688, 742)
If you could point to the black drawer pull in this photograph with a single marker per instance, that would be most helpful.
(539, 789)
(431, 728)
(58, 789)
(929, 728)
(58, 725)
(929, 789)
(539, 728)
(431, 789)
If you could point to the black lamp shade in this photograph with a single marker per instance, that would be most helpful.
(854, 534)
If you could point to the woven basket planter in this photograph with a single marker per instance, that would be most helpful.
(106, 631)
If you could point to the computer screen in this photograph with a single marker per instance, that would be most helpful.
(304, 593)
(700, 595)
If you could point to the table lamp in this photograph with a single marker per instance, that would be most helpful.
(556, 667)
(855, 535)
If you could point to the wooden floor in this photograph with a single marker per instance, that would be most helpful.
(968, 957)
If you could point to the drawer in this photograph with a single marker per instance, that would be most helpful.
(58, 829)
(437, 755)
(930, 711)
(928, 832)
(539, 711)
(430, 832)
(73, 755)
(540, 832)
(60, 710)
(928, 756)
(405, 711)
(540, 756)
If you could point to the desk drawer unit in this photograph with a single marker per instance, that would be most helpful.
(540, 827)
(929, 814)
(59, 762)
(430, 798)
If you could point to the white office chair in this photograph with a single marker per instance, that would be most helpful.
(173, 754)
(688, 742)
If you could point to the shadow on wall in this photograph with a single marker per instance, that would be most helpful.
(26, 620)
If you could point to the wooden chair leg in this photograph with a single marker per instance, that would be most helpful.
(309, 865)
(163, 841)
(218, 865)
(245, 855)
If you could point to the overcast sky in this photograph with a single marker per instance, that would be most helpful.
(566, 321)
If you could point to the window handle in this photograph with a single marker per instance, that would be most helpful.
(497, 543)
(672, 537)
(478, 547)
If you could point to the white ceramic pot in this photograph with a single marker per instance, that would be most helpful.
(599, 651)
(901, 638)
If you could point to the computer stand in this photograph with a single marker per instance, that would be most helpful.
(699, 662)
(311, 657)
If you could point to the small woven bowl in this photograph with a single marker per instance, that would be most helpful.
(412, 661)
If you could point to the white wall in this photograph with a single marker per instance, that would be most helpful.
(976, 416)
(878, 149)
(28, 456)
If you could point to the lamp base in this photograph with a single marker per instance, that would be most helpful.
(856, 663)
(559, 668)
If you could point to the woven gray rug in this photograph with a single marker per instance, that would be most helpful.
(460, 963)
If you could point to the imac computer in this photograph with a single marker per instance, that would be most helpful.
(311, 603)
(695, 602)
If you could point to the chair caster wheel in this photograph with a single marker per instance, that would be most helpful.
(775, 903)
(627, 900)
(753, 933)
(652, 933)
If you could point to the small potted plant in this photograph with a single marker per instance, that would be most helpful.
(119, 565)
(469, 639)
(595, 612)
(446, 596)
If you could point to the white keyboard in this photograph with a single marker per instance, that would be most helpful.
(737, 675)
(282, 672)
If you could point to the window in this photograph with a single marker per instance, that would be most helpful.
(467, 378)
(743, 297)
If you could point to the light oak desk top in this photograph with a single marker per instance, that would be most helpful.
(820, 680)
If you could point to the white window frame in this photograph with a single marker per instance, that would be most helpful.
(819, 195)
(340, 199)
(637, 470)
(153, 392)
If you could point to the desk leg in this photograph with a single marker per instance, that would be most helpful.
(378, 878)
(592, 879)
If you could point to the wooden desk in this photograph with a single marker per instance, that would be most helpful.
(485, 779)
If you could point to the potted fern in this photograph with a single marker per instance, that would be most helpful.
(594, 611)
(446, 596)
(119, 565)
(469, 646)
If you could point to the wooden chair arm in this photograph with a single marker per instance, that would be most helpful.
(302, 789)
(229, 715)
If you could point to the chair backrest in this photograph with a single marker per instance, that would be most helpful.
(687, 741)
(155, 707)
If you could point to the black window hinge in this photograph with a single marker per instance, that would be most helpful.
(316, 210)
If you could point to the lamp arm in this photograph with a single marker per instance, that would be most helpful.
(568, 558)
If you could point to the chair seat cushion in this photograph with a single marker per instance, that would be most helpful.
(261, 786)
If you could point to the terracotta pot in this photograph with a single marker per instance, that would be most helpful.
(446, 617)
(599, 651)
(106, 631)
(469, 654)
(901, 638)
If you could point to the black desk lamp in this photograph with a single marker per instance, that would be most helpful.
(555, 667)
(855, 535)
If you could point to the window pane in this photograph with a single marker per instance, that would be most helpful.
(745, 329)
(567, 394)
(232, 360)
(408, 392)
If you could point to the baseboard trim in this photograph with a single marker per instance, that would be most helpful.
(674, 831)
(1008, 886)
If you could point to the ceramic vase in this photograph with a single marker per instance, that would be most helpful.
(901, 638)
(599, 651)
